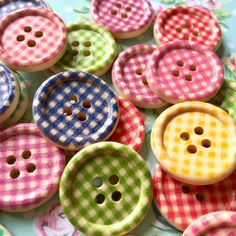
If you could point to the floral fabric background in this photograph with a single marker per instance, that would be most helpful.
(49, 220)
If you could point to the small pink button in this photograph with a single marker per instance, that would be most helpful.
(30, 168)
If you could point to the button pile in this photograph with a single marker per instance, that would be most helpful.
(106, 188)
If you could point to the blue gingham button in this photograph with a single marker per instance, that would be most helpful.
(75, 109)
(7, 6)
(9, 93)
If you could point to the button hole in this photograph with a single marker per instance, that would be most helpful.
(14, 174)
(195, 33)
(124, 15)
(200, 197)
(87, 44)
(67, 111)
(114, 12)
(138, 72)
(20, 38)
(74, 53)
(26, 154)
(86, 104)
(73, 99)
(192, 149)
(198, 130)
(206, 143)
(82, 116)
(27, 29)
(114, 179)
(192, 68)
(188, 26)
(188, 78)
(128, 8)
(185, 189)
(86, 53)
(97, 182)
(175, 73)
(178, 29)
(75, 43)
(144, 80)
(31, 43)
(11, 160)
(118, 5)
(100, 198)
(31, 167)
(38, 34)
(180, 63)
(184, 136)
(185, 37)
(116, 196)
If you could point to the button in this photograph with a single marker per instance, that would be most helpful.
(195, 142)
(75, 109)
(129, 77)
(130, 129)
(4, 231)
(21, 106)
(9, 93)
(124, 19)
(188, 23)
(214, 223)
(7, 6)
(91, 49)
(184, 71)
(28, 45)
(181, 204)
(226, 98)
(31, 168)
(99, 192)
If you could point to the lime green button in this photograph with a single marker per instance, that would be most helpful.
(91, 48)
(106, 189)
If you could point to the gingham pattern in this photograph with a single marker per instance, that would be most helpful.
(48, 47)
(77, 194)
(102, 50)
(69, 132)
(21, 106)
(189, 23)
(9, 91)
(4, 231)
(222, 223)
(206, 165)
(206, 79)
(226, 98)
(130, 129)
(128, 83)
(7, 6)
(29, 189)
(181, 209)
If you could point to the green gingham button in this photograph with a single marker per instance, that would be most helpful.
(91, 49)
(4, 231)
(226, 98)
(22, 104)
(106, 189)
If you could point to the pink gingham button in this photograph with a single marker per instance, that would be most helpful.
(181, 71)
(32, 39)
(30, 168)
(124, 19)
(129, 76)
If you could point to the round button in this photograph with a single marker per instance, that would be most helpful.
(184, 71)
(124, 19)
(226, 98)
(129, 76)
(214, 223)
(31, 168)
(91, 48)
(182, 204)
(99, 192)
(188, 23)
(7, 6)
(75, 109)
(21, 106)
(195, 142)
(28, 45)
(130, 129)
(4, 231)
(9, 93)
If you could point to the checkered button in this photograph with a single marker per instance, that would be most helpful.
(75, 109)
(184, 71)
(188, 23)
(129, 76)
(130, 129)
(4, 231)
(195, 142)
(30, 168)
(32, 39)
(99, 192)
(182, 204)
(91, 49)
(7, 6)
(124, 19)
(9, 93)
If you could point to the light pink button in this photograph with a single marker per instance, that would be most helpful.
(181, 204)
(129, 76)
(32, 39)
(30, 168)
(124, 19)
(184, 71)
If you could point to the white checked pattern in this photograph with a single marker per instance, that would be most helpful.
(132, 85)
(198, 78)
(23, 49)
(32, 187)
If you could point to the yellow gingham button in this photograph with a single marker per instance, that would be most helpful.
(195, 142)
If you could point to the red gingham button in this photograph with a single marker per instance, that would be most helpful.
(181, 204)
(184, 71)
(30, 168)
(32, 39)
(129, 76)
(188, 23)
(124, 19)
(130, 129)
